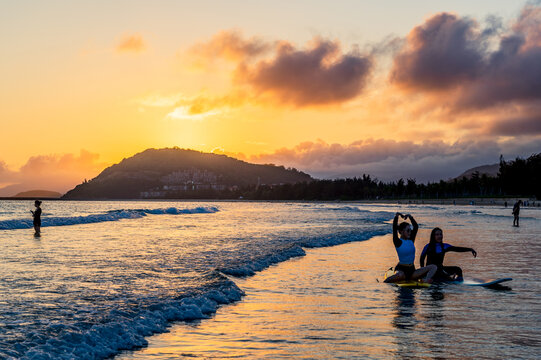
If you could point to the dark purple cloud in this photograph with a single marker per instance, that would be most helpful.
(441, 53)
(317, 75)
(517, 126)
(450, 52)
(513, 74)
(321, 74)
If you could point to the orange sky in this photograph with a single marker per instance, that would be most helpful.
(422, 91)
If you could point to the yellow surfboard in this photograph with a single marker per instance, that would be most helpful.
(408, 283)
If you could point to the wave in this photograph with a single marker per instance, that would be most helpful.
(125, 329)
(486, 215)
(112, 215)
(370, 214)
(249, 268)
(347, 208)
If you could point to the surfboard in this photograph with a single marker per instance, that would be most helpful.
(484, 283)
(407, 284)
(490, 283)
(412, 284)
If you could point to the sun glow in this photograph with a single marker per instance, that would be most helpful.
(262, 89)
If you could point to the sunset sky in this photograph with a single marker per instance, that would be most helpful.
(419, 89)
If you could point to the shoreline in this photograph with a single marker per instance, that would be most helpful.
(488, 201)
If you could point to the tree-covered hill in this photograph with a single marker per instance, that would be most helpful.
(174, 168)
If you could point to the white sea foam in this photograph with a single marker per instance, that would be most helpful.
(125, 330)
(111, 292)
(263, 262)
(112, 215)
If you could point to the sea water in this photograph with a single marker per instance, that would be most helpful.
(105, 276)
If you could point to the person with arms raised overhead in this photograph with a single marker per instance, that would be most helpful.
(405, 249)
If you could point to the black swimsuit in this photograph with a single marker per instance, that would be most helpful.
(37, 217)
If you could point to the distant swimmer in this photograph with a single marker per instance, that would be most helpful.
(37, 218)
(516, 212)
(435, 252)
(405, 248)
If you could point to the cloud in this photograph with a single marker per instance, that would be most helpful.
(196, 107)
(513, 74)
(204, 103)
(50, 172)
(319, 74)
(6, 175)
(229, 45)
(391, 160)
(516, 126)
(185, 113)
(529, 24)
(278, 71)
(478, 68)
(201, 106)
(131, 43)
(441, 53)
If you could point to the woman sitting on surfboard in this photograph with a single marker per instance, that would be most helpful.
(405, 248)
(435, 251)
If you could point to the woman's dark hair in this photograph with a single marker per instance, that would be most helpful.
(402, 226)
(37, 202)
(432, 243)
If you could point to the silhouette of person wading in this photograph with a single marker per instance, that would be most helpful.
(37, 218)
(516, 212)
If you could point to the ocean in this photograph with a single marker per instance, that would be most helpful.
(258, 280)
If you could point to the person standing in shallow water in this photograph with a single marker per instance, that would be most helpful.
(37, 218)
(516, 212)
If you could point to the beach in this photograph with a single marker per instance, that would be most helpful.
(225, 180)
(250, 280)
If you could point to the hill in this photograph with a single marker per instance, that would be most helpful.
(489, 170)
(38, 194)
(179, 173)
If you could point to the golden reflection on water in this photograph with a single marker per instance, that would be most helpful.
(329, 305)
(319, 306)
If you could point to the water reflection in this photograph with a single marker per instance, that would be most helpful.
(419, 320)
(435, 307)
(405, 309)
(405, 322)
(437, 334)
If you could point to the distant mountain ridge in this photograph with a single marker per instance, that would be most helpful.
(38, 194)
(163, 173)
(488, 170)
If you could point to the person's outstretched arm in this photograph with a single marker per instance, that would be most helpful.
(415, 227)
(461, 249)
(396, 240)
